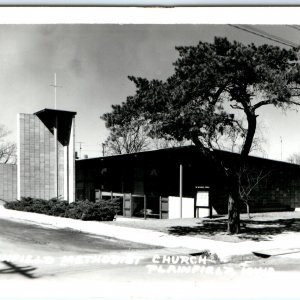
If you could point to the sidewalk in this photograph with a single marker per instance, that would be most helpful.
(224, 250)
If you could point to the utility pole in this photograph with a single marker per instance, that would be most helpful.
(281, 147)
(103, 149)
(80, 143)
(180, 189)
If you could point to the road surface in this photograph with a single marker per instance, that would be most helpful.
(39, 261)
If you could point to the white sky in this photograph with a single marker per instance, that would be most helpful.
(92, 62)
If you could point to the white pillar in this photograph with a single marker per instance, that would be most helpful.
(66, 173)
(71, 165)
(18, 158)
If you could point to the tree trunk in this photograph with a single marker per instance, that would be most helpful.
(251, 118)
(233, 203)
(233, 216)
(248, 210)
(232, 182)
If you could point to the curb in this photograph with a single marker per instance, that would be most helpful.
(224, 250)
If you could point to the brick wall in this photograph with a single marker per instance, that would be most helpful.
(8, 182)
(278, 190)
(36, 159)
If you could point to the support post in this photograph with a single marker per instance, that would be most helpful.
(180, 188)
(210, 206)
(123, 205)
(145, 207)
(131, 205)
(160, 216)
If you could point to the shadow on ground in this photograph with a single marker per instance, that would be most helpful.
(12, 268)
(250, 229)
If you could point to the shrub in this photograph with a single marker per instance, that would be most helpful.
(101, 211)
(84, 210)
(57, 207)
(24, 205)
(77, 209)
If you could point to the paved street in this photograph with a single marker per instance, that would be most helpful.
(54, 252)
(64, 262)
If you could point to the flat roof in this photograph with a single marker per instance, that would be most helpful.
(181, 150)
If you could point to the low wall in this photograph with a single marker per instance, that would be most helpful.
(187, 207)
(8, 182)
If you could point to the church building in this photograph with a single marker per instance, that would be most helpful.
(167, 183)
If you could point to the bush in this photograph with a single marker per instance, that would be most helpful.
(57, 207)
(77, 209)
(84, 210)
(101, 211)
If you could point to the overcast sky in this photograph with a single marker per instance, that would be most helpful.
(92, 63)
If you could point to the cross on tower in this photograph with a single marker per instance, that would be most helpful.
(55, 87)
(55, 133)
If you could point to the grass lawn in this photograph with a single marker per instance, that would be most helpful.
(261, 226)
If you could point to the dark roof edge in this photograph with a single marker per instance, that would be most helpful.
(55, 110)
(184, 147)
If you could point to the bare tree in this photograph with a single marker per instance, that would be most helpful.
(157, 143)
(249, 178)
(134, 136)
(233, 139)
(127, 138)
(7, 149)
(294, 158)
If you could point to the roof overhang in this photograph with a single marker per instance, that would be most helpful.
(60, 119)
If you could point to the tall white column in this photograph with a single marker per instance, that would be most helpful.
(18, 158)
(66, 173)
(71, 154)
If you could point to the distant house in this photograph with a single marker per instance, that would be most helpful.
(179, 182)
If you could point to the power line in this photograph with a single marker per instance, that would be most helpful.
(80, 148)
(92, 145)
(280, 39)
(265, 35)
(294, 27)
